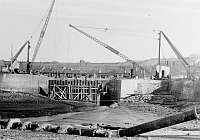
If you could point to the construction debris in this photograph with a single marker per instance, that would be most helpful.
(89, 130)
(29, 126)
(97, 130)
(14, 124)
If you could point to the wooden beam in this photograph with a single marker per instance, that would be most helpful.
(160, 123)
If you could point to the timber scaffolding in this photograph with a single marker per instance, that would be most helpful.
(57, 74)
(76, 89)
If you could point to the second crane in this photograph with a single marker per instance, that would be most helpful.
(137, 69)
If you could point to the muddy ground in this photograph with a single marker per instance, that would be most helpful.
(64, 113)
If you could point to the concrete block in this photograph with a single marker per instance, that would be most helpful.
(64, 129)
(48, 127)
(14, 124)
(29, 126)
(3, 124)
(73, 131)
(101, 133)
(113, 134)
(87, 132)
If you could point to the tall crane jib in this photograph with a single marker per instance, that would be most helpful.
(137, 69)
(42, 33)
(179, 56)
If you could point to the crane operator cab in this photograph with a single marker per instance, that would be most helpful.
(162, 72)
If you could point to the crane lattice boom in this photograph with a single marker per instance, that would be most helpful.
(42, 32)
(109, 48)
(178, 54)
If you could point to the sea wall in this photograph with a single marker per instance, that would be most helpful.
(23, 82)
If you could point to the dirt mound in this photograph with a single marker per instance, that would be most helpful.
(150, 108)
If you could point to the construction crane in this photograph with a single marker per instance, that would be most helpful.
(19, 52)
(42, 33)
(179, 56)
(135, 65)
(14, 66)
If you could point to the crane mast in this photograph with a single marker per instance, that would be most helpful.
(110, 49)
(39, 42)
(179, 56)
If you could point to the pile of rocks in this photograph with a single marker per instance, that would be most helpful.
(89, 130)
(141, 98)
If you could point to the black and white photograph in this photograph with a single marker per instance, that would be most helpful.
(99, 69)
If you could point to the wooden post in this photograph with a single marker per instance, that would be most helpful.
(98, 99)
(70, 91)
(90, 92)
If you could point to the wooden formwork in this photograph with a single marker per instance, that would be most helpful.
(75, 89)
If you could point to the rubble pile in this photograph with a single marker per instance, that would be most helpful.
(162, 98)
(141, 98)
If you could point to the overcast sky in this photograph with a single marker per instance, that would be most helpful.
(130, 22)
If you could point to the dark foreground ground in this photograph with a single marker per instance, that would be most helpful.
(14, 105)
(43, 110)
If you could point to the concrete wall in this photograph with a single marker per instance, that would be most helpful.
(125, 87)
(23, 82)
(138, 86)
(182, 89)
(186, 89)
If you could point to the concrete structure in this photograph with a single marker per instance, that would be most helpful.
(23, 82)
(184, 89)
(123, 88)
(127, 87)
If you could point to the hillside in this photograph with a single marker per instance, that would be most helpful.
(177, 68)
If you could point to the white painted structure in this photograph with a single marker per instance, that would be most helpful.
(125, 87)
(163, 71)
